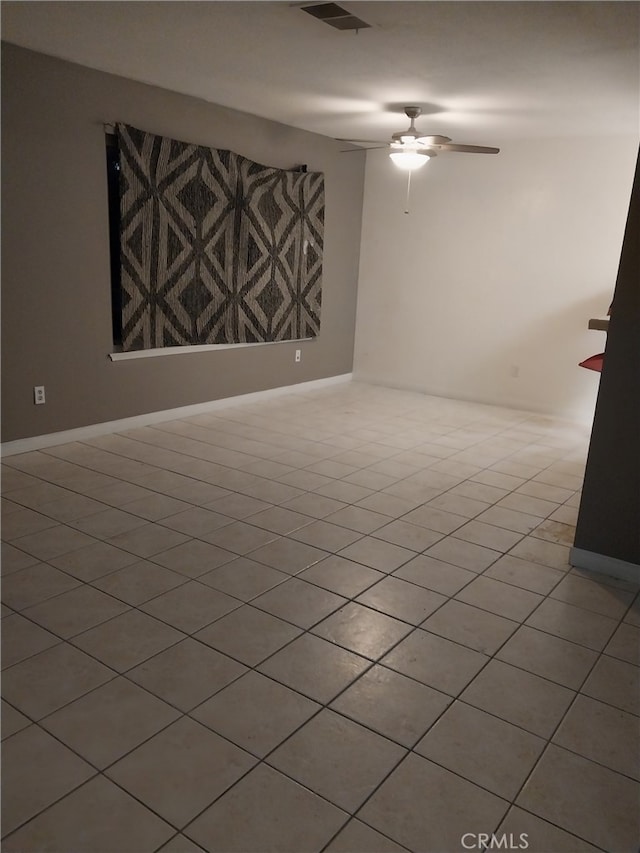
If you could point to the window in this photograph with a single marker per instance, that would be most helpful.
(113, 188)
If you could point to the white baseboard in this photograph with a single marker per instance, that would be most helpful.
(593, 562)
(583, 418)
(37, 442)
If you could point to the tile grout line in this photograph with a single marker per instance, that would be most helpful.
(350, 599)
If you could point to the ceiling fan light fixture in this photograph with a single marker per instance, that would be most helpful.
(409, 160)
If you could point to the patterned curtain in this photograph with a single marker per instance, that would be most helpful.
(215, 249)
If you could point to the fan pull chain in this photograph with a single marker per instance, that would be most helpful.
(406, 207)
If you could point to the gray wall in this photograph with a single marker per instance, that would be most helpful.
(56, 313)
(609, 516)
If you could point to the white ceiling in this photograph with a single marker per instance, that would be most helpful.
(482, 71)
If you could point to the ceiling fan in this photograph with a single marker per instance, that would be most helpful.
(411, 149)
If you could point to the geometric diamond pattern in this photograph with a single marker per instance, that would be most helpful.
(215, 248)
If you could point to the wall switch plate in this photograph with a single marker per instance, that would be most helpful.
(298, 355)
(38, 395)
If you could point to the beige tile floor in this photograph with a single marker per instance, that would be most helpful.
(342, 620)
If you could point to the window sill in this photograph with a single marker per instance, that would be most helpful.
(186, 350)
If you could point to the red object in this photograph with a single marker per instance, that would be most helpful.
(594, 362)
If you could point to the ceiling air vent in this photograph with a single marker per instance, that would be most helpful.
(335, 16)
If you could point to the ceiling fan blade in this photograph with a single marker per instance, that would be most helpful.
(354, 150)
(469, 149)
(362, 141)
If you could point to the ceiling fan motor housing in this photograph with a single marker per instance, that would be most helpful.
(410, 135)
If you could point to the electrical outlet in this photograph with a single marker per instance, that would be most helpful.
(38, 395)
(298, 355)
